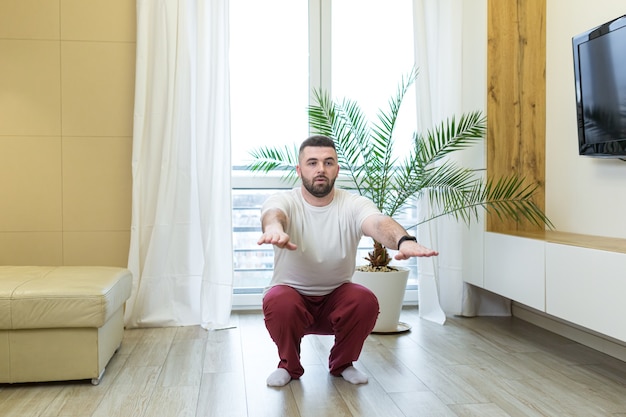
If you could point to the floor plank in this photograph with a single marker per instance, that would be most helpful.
(486, 366)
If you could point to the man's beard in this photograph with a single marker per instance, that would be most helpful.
(318, 190)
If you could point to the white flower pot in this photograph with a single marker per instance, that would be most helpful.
(389, 288)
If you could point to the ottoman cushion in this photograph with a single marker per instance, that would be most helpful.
(37, 297)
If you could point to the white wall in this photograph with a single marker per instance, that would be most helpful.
(474, 98)
(583, 195)
(475, 71)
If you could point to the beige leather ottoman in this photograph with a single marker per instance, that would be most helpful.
(60, 323)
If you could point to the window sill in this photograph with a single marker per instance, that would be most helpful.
(243, 302)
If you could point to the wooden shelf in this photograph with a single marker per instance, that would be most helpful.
(610, 244)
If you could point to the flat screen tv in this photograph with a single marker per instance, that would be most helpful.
(600, 80)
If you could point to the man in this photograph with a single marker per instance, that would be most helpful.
(315, 230)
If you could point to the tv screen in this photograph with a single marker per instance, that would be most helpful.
(600, 80)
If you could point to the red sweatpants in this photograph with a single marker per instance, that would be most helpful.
(349, 313)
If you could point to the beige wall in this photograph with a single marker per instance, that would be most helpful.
(66, 112)
(583, 195)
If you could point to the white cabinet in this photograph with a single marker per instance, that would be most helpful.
(515, 268)
(580, 279)
(473, 250)
(587, 287)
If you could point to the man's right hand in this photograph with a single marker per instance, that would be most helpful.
(278, 239)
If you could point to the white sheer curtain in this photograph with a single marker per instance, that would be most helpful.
(181, 240)
(439, 56)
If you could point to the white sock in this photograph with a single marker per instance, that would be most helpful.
(279, 378)
(354, 376)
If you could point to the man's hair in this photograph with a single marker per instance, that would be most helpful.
(319, 141)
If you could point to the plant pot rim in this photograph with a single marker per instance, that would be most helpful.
(396, 269)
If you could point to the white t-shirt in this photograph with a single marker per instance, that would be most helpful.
(327, 239)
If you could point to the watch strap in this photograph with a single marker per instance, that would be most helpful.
(403, 238)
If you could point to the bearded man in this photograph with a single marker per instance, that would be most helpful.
(315, 230)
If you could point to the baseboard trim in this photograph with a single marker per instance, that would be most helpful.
(584, 336)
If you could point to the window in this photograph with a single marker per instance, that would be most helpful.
(372, 48)
(269, 74)
(253, 263)
(280, 50)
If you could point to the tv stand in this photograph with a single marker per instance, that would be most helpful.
(573, 278)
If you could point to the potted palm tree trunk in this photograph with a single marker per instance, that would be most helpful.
(368, 166)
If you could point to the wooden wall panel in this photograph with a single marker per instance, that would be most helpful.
(516, 97)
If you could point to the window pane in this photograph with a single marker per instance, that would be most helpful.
(269, 74)
(372, 48)
(253, 263)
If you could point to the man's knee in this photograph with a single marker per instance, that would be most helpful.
(358, 302)
(281, 300)
(363, 297)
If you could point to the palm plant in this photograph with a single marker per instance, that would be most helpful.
(368, 165)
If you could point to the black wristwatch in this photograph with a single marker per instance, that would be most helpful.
(403, 238)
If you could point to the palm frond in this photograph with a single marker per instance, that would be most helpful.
(268, 158)
(451, 135)
(511, 197)
(380, 162)
(346, 123)
(508, 198)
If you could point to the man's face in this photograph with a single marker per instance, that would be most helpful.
(318, 170)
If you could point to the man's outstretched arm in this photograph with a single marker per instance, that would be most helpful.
(387, 231)
(273, 223)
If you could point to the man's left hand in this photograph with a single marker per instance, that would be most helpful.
(410, 249)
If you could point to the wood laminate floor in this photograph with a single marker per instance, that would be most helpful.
(467, 367)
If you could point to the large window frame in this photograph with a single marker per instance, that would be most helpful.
(320, 69)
